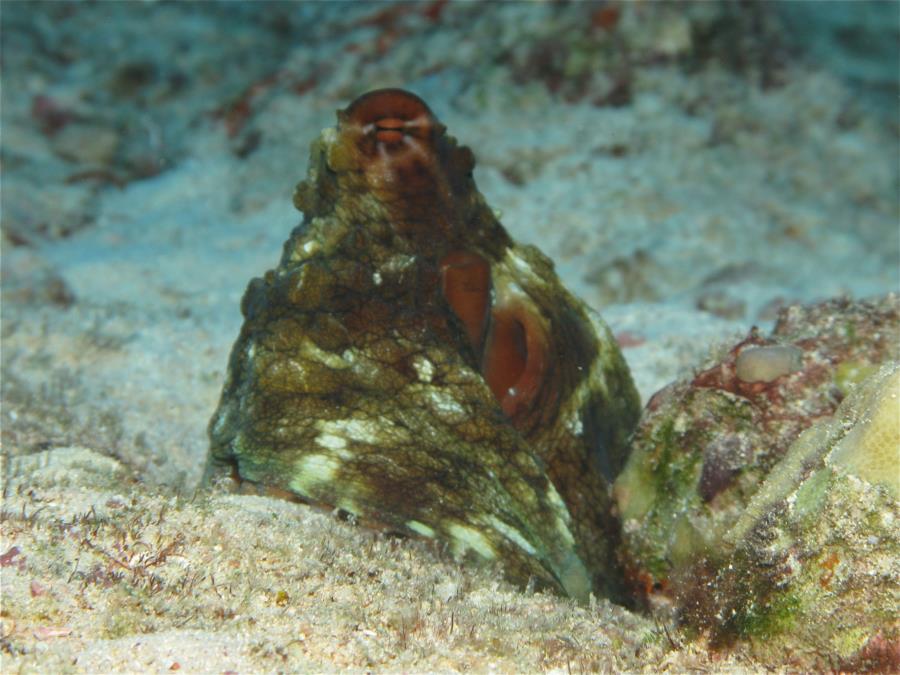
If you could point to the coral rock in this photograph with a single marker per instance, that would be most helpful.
(765, 513)
(409, 363)
(812, 568)
(705, 444)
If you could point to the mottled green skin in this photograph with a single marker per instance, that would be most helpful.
(704, 445)
(352, 383)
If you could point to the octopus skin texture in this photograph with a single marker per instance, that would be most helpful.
(407, 362)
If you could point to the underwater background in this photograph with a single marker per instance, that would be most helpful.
(691, 169)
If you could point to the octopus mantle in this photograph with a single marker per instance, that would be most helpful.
(409, 363)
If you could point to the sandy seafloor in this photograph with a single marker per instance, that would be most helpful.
(732, 165)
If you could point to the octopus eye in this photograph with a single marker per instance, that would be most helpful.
(515, 359)
(514, 353)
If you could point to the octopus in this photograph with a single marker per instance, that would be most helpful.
(411, 365)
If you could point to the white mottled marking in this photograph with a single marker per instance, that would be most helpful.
(512, 289)
(313, 470)
(562, 526)
(575, 426)
(443, 403)
(525, 270)
(521, 264)
(364, 431)
(465, 538)
(314, 353)
(361, 365)
(424, 369)
(420, 528)
(512, 534)
(399, 262)
(217, 426)
(331, 441)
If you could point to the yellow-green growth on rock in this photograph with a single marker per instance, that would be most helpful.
(813, 565)
(708, 444)
(871, 447)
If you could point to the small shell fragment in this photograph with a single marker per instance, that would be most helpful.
(767, 363)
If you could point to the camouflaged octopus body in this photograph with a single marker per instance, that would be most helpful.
(408, 363)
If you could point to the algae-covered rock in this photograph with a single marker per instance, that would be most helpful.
(705, 444)
(812, 567)
(410, 364)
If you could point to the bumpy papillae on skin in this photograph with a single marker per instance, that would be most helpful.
(425, 183)
(402, 265)
(402, 140)
(402, 150)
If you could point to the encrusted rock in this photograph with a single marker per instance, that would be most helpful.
(763, 510)
(706, 443)
(812, 567)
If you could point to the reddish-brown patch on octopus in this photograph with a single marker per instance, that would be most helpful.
(466, 285)
(515, 359)
(382, 119)
(389, 130)
(400, 149)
